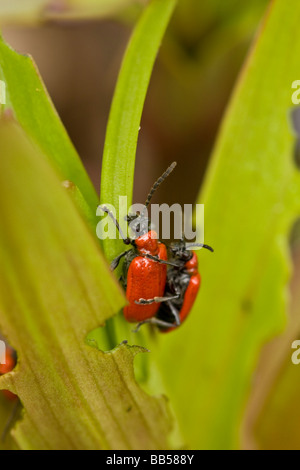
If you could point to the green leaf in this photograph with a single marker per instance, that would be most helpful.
(251, 196)
(277, 425)
(272, 415)
(120, 150)
(55, 289)
(27, 97)
(126, 110)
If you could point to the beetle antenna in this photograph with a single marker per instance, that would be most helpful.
(127, 241)
(190, 245)
(159, 181)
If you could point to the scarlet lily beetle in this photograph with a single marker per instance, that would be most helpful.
(10, 363)
(145, 264)
(182, 286)
(11, 360)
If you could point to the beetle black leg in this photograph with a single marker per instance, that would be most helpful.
(156, 322)
(155, 300)
(175, 313)
(115, 262)
(161, 261)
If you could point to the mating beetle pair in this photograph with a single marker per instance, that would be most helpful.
(155, 294)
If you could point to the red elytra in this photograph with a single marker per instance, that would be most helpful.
(8, 367)
(182, 286)
(191, 267)
(146, 278)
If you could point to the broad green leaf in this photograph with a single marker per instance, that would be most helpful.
(277, 427)
(126, 110)
(27, 97)
(251, 196)
(272, 415)
(55, 289)
(37, 11)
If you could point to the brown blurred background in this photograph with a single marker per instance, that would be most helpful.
(198, 64)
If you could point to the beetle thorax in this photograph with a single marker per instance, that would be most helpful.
(191, 266)
(148, 243)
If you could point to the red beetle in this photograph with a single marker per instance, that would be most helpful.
(145, 264)
(145, 278)
(11, 360)
(182, 286)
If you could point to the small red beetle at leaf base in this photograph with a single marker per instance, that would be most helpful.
(145, 264)
(145, 278)
(11, 360)
(182, 286)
